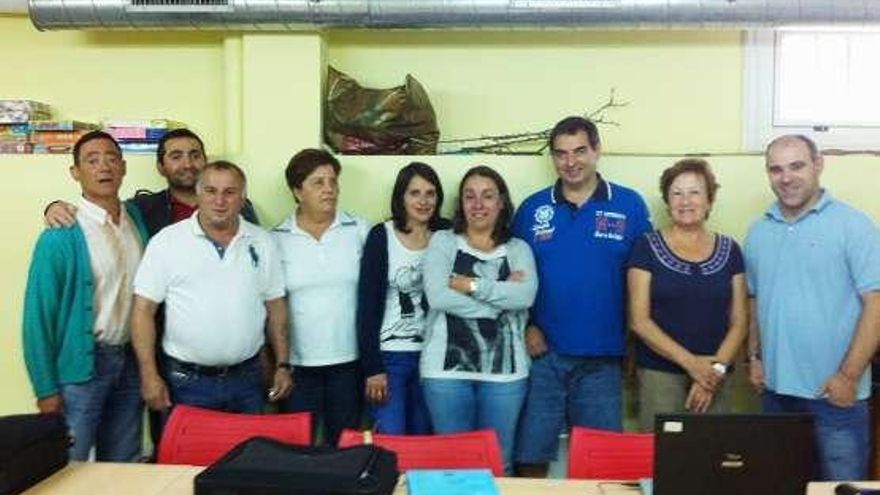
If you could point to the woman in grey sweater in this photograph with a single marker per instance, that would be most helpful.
(480, 283)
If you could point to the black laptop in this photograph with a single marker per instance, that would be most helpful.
(733, 454)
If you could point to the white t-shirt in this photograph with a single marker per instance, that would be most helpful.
(214, 306)
(403, 324)
(321, 276)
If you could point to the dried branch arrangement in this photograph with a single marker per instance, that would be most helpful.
(523, 143)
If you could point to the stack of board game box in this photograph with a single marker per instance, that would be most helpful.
(140, 136)
(26, 126)
(57, 136)
(14, 127)
(14, 138)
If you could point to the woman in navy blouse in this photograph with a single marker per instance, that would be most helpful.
(392, 305)
(687, 301)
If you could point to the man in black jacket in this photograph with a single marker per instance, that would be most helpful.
(179, 158)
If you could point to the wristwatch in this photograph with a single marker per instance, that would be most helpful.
(720, 367)
(473, 286)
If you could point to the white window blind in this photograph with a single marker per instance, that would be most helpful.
(825, 84)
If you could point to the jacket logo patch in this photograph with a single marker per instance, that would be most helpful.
(542, 228)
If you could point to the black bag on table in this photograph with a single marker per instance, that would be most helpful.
(263, 466)
(32, 447)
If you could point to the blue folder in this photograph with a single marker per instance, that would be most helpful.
(451, 482)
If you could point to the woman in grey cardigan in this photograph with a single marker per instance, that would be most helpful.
(480, 282)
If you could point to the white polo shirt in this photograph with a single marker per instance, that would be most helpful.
(321, 278)
(214, 306)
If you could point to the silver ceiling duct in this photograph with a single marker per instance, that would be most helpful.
(413, 14)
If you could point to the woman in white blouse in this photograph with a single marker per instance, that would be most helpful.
(320, 251)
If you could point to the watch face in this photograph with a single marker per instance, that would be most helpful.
(721, 368)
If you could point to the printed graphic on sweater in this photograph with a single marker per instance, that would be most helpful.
(481, 345)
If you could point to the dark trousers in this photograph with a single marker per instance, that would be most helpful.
(332, 394)
(240, 390)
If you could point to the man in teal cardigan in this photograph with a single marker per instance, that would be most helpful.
(78, 296)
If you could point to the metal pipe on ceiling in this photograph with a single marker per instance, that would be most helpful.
(293, 15)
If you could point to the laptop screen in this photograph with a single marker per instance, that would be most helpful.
(733, 454)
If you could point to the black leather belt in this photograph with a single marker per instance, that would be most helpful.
(211, 370)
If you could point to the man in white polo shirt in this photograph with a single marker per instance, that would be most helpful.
(221, 281)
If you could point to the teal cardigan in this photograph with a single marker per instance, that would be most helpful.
(58, 333)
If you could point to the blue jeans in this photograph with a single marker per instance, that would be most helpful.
(239, 391)
(841, 433)
(405, 412)
(106, 412)
(468, 405)
(332, 394)
(572, 390)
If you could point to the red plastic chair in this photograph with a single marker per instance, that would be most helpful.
(198, 436)
(609, 455)
(469, 450)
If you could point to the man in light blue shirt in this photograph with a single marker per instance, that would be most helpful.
(813, 268)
